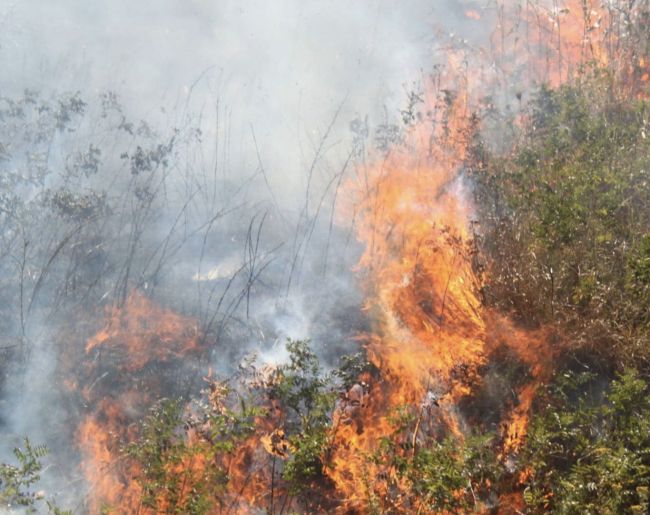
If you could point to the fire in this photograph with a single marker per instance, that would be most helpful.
(98, 436)
(123, 379)
(537, 350)
(134, 335)
(430, 335)
(551, 42)
(422, 286)
(414, 219)
(142, 332)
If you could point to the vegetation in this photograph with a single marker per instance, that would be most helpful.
(566, 231)
(180, 473)
(589, 451)
(447, 475)
(186, 457)
(307, 396)
(564, 219)
(17, 481)
(562, 241)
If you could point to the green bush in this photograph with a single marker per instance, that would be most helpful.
(584, 455)
(17, 481)
(564, 219)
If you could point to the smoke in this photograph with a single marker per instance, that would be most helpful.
(204, 170)
(283, 68)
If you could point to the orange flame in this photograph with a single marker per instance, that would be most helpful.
(414, 220)
(98, 436)
(144, 332)
(430, 334)
(138, 333)
(551, 42)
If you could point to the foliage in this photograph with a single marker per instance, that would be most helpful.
(454, 475)
(590, 457)
(564, 218)
(17, 481)
(566, 232)
(564, 226)
(446, 475)
(185, 451)
(586, 451)
(302, 388)
(185, 471)
(352, 367)
(160, 449)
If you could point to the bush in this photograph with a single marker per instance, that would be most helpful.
(565, 223)
(17, 481)
(583, 456)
